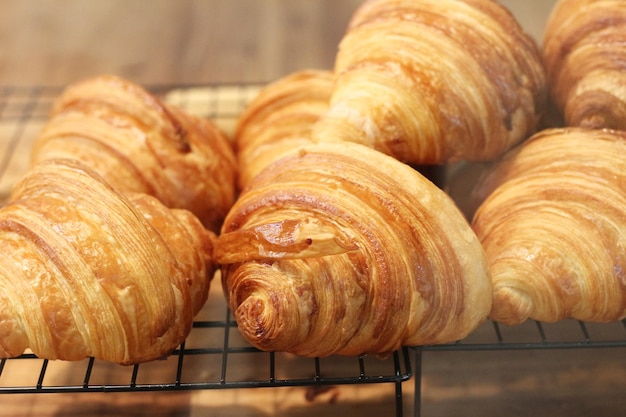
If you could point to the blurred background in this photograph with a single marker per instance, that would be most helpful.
(54, 42)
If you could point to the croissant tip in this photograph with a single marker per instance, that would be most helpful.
(511, 306)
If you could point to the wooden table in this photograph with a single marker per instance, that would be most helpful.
(191, 43)
(181, 42)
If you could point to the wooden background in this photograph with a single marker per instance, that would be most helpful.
(195, 42)
(183, 41)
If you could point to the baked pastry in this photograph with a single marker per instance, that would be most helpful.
(584, 50)
(554, 230)
(141, 144)
(88, 272)
(435, 81)
(337, 248)
(279, 119)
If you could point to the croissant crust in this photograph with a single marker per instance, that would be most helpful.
(435, 81)
(584, 53)
(340, 249)
(139, 143)
(279, 119)
(553, 228)
(95, 273)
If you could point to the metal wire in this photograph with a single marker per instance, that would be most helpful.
(540, 339)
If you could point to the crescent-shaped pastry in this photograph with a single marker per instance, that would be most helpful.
(340, 249)
(88, 272)
(141, 144)
(553, 226)
(584, 51)
(435, 81)
(279, 119)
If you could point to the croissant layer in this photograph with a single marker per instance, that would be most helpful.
(435, 81)
(553, 228)
(279, 119)
(584, 53)
(88, 272)
(139, 143)
(340, 249)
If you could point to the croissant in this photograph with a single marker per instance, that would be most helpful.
(435, 81)
(280, 118)
(337, 248)
(141, 144)
(553, 227)
(88, 272)
(584, 49)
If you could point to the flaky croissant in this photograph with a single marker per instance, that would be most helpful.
(141, 144)
(279, 119)
(88, 272)
(340, 249)
(584, 50)
(435, 81)
(554, 229)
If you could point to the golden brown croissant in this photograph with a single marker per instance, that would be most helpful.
(139, 143)
(554, 229)
(341, 249)
(584, 52)
(434, 81)
(86, 271)
(280, 118)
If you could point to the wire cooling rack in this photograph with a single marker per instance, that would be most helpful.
(203, 361)
(215, 356)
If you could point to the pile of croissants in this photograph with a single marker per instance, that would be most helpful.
(326, 237)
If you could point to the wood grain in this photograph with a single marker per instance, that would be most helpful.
(53, 42)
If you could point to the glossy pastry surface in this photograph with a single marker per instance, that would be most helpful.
(340, 249)
(435, 81)
(88, 272)
(279, 119)
(139, 143)
(584, 50)
(554, 229)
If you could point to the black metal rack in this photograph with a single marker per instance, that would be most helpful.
(216, 343)
(211, 342)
